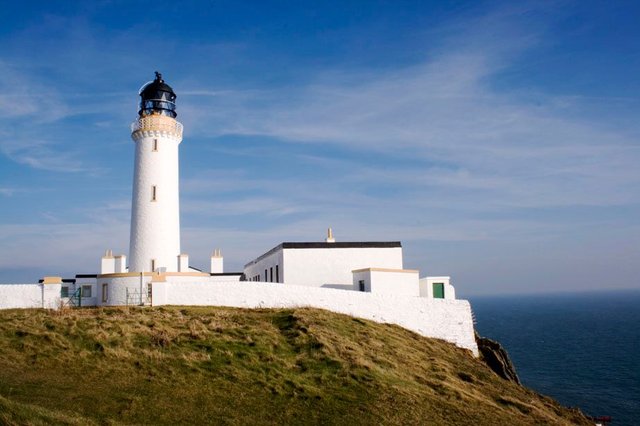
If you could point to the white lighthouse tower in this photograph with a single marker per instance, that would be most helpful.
(155, 212)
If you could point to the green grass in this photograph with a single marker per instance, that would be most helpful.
(237, 366)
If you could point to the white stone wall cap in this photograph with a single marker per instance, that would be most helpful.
(408, 271)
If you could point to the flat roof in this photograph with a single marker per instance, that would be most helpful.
(324, 245)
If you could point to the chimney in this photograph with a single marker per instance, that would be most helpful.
(108, 265)
(330, 238)
(217, 262)
(183, 263)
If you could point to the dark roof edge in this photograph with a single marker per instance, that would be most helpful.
(315, 245)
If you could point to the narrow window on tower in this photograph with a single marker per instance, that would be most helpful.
(155, 145)
(153, 265)
(154, 193)
(266, 277)
(105, 292)
(271, 274)
(277, 274)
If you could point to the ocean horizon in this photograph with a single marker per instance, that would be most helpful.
(578, 348)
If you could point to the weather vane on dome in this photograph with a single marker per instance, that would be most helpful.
(158, 76)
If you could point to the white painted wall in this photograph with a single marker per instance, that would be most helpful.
(328, 267)
(117, 289)
(120, 263)
(51, 296)
(29, 296)
(426, 287)
(183, 263)
(449, 320)
(108, 265)
(155, 225)
(256, 271)
(395, 282)
(20, 296)
(87, 300)
(225, 278)
(217, 264)
(117, 286)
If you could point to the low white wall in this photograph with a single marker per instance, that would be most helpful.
(29, 296)
(449, 320)
(132, 289)
(20, 296)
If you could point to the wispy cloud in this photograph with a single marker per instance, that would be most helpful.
(527, 152)
(7, 192)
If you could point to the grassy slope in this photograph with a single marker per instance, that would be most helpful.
(235, 366)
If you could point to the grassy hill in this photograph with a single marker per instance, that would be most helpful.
(238, 366)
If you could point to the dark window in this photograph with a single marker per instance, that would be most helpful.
(266, 277)
(105, 286)
(277, 274)
(86, 291)
(154, 193)
(271, 274)
(155, 144)
(64, 292)
(361, 285)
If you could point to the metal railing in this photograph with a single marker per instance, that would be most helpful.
(75, 299)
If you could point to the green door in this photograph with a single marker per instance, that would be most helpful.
(438, 290)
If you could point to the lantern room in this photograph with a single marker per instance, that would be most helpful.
(157, 97)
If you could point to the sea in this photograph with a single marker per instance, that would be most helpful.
(581, 349)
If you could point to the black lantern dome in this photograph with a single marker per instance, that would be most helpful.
(157, 97)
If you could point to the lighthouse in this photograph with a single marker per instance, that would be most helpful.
(155, 210)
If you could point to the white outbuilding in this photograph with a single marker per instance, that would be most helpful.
(365, 266)
(322, 264)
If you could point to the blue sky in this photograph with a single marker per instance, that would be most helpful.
(499, 141)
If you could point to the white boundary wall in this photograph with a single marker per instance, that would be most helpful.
(449, 320)
(16, 296)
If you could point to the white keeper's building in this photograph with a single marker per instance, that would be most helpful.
(374, 267)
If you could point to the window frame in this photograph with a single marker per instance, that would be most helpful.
(85, 287)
